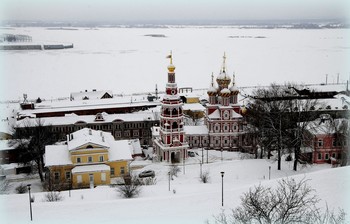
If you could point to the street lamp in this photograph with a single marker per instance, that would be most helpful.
(201, 163)
(269, 172)
(30, 203)
(222, 188)
(169, 180)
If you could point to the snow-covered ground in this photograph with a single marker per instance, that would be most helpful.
(129, 60)
(192, 202)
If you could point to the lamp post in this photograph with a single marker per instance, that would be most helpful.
(222, 188)
(30, 203)
(184, 161)
(169, 180)
(269, 172)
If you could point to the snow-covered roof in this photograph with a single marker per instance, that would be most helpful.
(73, 119)
(4, 145)
(57, 155)
(135, 146)
(155, 130)
(65, 105)
(193, 107)
(236, 115)
(60, 154)
(88, 136)
(91, 168)
(215, 115)
(119, 150)
(90, 95)
(196, 130)
(327, 126)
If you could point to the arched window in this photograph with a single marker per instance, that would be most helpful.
(89, 147)
(175, 125)
(174, 111)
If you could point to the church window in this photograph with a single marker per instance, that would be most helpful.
(175, 126)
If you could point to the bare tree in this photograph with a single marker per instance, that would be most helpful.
(280, 117)
(290, 202)
(267, 113)
(131, 188)
(30, 139)
(193, 118)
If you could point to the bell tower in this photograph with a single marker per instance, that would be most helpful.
(171, 145)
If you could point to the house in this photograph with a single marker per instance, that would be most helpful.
(326, 140)
(89, 158)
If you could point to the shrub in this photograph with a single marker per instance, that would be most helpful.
(131, 188)
(52, 196)
(4, 186)
(148, 181)
(21, 189)
(204, 177)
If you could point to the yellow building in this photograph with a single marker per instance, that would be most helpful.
(89, 158)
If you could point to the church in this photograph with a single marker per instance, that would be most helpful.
(224, 123)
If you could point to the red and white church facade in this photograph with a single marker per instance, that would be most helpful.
(223, 127)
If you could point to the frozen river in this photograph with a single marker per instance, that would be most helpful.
(127, 60)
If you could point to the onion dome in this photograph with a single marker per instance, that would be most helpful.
(234, 90)
(225, 92)
(243, 110)
(212, 91)
(223, 79)
(171, 67)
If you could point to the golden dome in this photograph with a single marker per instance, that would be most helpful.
(171, 68)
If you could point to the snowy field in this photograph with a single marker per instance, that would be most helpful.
(130, 60)
(193, 202)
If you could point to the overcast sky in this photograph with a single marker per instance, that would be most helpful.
(160, 10)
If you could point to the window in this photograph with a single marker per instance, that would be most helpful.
(326, 156)
(334, 155)
(57, 176)
(122, 170)
(79, 179)
(319, 156)
(225, 127)
(67, 175)
(112, 171)
(78, 160)
(334, 142)
(320, 143)
(101, 158)
(90, 159)
(235, 127)
(135, 133)
(103, 177)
